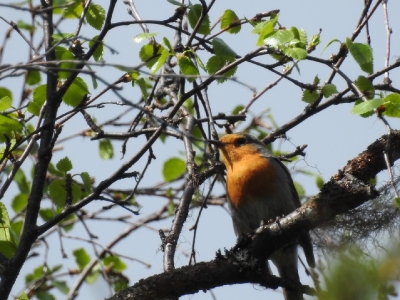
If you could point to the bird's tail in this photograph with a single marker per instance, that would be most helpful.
(285, 260)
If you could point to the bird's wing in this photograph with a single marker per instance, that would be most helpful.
(304, 238)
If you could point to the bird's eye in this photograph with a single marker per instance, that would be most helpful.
(241, 141)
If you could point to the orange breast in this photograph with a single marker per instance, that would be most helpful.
(250, 178)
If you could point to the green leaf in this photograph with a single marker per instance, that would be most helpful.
(144, 36)
(222, 49)
(373, 181)
(64, 54)
(160, 62)
(196, 132)
(5, 92)
(106, 149)
(39, 97)
(76, 92)
(397, 202)
(301, 36)
(319, 181)
(173, 168)
(7, 248)
(66, 224)
(188, 104)
(8, 126)
(330, 43)
(392, 105)
(40, 295)
(227, 74)
(92, 277)
(171, 209)
(4, 219)
(114, 261)
(40, 94)
(46, 214)
(61, 36)
(168, 44)
(299, 189)
(365, 86)
(33, 77)
(23, 296)
(96, 16)
(121, 284)
(73, 11)
(266, 30)
(24, 185)
(143, 87)
(230, 18)
(25, 26)
(19, 202)
(187, 67)
(314, 41)
(36, 274)
(87, 182)
(258, 26)
(362, 53)
(283, 36)
(5, 103)
(194, 16)
(367, 114)
(8, 244)
(16, 226)
(365, 107)
(52, 170)
(56, 268)
(295, 53)
(148, 54)
(58, 192)
(199, 61)
(216, 63)
(82, 258)
(316, 80)
(329, 90)
(98, 53)
(64, 165)
(237, 109)
(310, 96)
(61, 286)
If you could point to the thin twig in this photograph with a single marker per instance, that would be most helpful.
(388, 35)
(196, 224)
(15, 26)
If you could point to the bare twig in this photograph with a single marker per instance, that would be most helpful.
(15, 27)
(196, 224)
(388, 35)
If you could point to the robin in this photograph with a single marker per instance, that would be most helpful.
(260, 188)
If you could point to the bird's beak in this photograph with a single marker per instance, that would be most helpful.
(217, 143)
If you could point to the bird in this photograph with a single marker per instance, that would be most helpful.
(260, 188)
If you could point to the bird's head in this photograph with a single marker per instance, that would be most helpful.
(237, 146)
